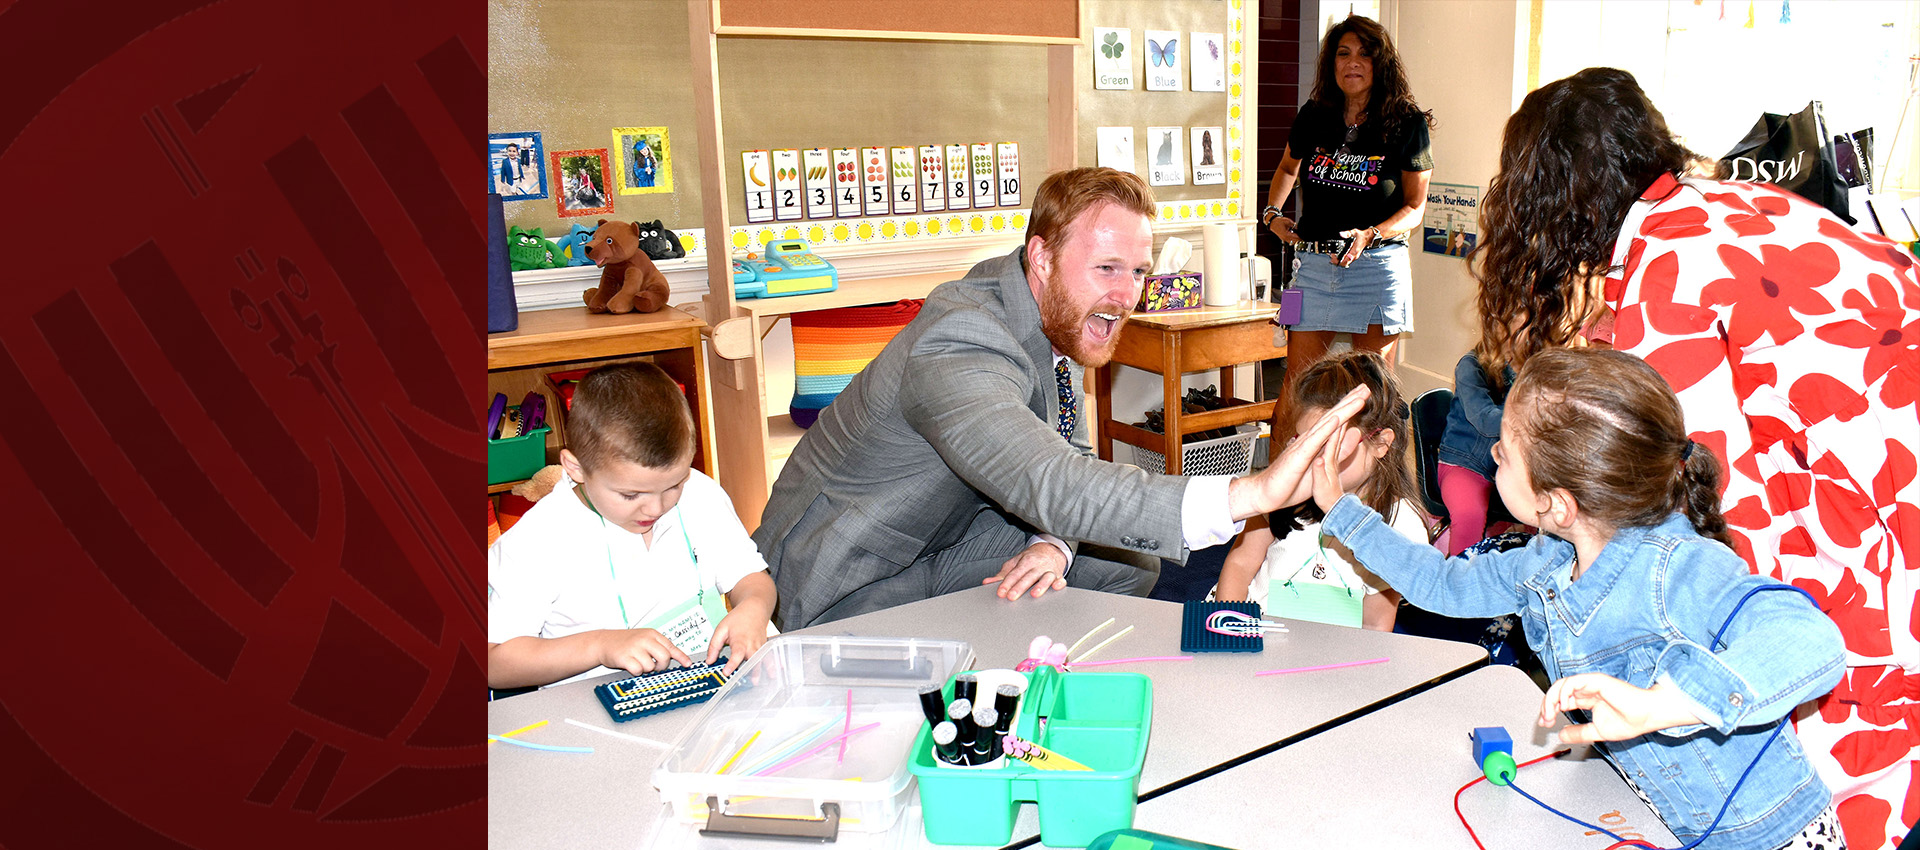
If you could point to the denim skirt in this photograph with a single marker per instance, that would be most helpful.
(1376, 290)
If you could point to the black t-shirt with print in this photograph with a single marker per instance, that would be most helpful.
(1357, 189)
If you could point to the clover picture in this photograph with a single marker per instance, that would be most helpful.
(1113, 48)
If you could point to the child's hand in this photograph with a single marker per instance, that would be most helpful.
(1620, 711)
(744, 629)
(1326, 468)
(638, 650)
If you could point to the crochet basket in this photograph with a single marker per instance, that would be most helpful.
(832, 346)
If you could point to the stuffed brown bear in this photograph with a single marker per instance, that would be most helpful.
(629, 281)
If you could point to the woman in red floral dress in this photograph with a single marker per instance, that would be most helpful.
(1793, 342)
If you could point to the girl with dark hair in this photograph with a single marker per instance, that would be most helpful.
(1640, 613)
(1793, 343)
(1296, 576)
(1359, 151)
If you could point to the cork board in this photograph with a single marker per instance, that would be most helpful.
(1040, 21)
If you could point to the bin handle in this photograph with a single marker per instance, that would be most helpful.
(823, 829)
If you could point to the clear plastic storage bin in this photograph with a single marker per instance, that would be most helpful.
(755, 751)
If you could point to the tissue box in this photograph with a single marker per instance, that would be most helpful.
(1162, 292)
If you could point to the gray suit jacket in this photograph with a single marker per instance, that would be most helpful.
(955, 416)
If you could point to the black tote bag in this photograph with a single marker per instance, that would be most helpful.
(1795, 153)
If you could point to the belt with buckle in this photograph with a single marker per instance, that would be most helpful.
(1338, 246)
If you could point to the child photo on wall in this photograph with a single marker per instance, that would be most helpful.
(643, 160)
(515, 166)
(583, 182)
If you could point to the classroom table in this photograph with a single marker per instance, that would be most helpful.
(538, 799)
(1388, 780)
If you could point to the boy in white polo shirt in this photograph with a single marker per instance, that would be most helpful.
(623, 565)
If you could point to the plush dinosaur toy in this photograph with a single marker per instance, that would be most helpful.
(629, 281)
(529, 249)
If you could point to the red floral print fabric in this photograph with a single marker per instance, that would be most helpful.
(1793, 342)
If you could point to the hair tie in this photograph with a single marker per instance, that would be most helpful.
(1686, 452)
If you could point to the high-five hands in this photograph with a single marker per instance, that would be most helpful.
(1285, 481)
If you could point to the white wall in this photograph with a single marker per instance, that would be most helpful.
(1462, 59)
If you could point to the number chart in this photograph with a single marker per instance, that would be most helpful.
(791, 184)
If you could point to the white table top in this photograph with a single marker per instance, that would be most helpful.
(1388, 780)
(606, 799)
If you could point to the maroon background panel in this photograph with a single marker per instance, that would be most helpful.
(241, 361)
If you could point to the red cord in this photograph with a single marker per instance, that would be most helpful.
(1482, 778)
(1629, 842)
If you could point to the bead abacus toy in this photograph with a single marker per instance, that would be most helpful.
(661, 690)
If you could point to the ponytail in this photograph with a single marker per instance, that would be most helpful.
(1697, 492)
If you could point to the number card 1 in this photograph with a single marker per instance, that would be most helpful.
(933, 178)
(957, 177)
(786, 185)
(873, 180)
(1009, 174)
(846, 183)
(906, 182)
(819, 179)
(759, 185)
(982, 176)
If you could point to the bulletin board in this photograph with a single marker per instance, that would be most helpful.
(778, 93)
(1141, 109)
(574, 72)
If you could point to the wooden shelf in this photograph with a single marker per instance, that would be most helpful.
(856, 293)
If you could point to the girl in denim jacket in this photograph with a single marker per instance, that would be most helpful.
(1622, 596)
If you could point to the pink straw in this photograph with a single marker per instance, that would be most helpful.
(823, 745)
(1131, 660)
(847, 728)
(1321, 667)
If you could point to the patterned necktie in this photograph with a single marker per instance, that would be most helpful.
(1069, 412)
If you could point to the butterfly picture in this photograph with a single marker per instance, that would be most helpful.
(1163, 55)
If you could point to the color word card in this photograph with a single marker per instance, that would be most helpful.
(1166, 166)
(758, 182)
(1163, 60)
(1206, 156)
(1113, 60)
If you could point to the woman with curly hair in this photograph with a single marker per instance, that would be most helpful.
(1360, 153)
(1793, 343)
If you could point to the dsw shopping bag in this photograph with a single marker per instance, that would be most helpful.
(1795, 153)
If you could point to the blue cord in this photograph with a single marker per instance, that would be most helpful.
(1778, 726)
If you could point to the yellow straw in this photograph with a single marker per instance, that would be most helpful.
(520, 730)
(1101, 645)
(1083, 638)
(736, 753)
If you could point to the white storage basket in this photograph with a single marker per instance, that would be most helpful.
(1231, 455)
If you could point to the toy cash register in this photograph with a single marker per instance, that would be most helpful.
(788, 269)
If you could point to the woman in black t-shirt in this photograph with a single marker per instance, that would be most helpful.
(1360, 153)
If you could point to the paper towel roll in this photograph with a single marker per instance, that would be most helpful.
(1221, 242)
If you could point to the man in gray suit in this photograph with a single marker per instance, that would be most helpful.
(957, 458)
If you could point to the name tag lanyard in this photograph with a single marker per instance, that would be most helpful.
(701, 588)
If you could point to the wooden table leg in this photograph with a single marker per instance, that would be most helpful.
(1170, 382)
(1103, 410)
(1226, 383)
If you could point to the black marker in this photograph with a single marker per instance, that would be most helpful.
(984, 741)
(1006, 699)
(944, 735)
(960, 714)
(966, 686)
(934, 704)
